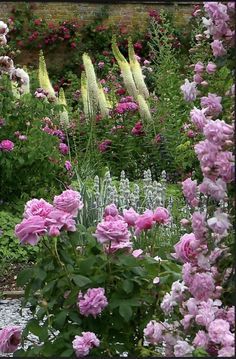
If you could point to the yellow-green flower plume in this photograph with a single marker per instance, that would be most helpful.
(144, 108)
(64, 117)
(137, 71)
(103, 104)
(92, 86)
(125, 69)
(44, 80)
(85, 95)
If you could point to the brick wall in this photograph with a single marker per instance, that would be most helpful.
(133, 14)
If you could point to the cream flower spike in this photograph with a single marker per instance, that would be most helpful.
(85, 96)
(43, 77)
(144, 108)
(92, 86)
(103, 104)
(137, 71)
(125, 69)
(64, 117)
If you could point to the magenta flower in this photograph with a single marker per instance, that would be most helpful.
(144, 221)
(6, 145)
(68, 165)
(10, 338)
(123, 107)
(137, 130)
(161, 215)
(63, 148)
(30, 229)
(69, 201)
(111, 210)
(92, 302)
(37, 207)
(83, 344)
(104, 146)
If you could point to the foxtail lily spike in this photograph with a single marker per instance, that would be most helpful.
(144, 108)
(137, 71)
(92, 86)
(125, 69)
(44, 80)
(85, 95)
(64, 117)
(103, 104)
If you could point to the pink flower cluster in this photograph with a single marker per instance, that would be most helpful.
(123, 107)
(10, 338)
(41, 218)
(84, 343)
(92, 302)
(6, 146)
(104, 145)
(137, 130)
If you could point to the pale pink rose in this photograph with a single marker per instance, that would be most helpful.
(111, 210)
(207, 154)
(207, 311)
(217, 329)
(115, 246)
(30, 229)
(10, 338)
(201, 339)
(199, 67)
(113, 230)
(191, 304)
(231, 316)
(218, 48)
(92, 302)
(168, 303)
(177, 290)
(84, 343)
(212, 104)
(225, 165)
(219, 224)
(182, 349)
(189, 188)
(60, 220)
(197, 78)
(130, 216)
(189, 90)
(211, 68)
(187, 273)
(227, 352)
(228, 339)
(54, 231)
(199, 225)
(186, 321)
(6, 145)
(69, 201)
(144, 221)
(153, 332)
(3, 28)
(216, 189)
(137, 253)
(185, 249)
(218, 132)
(202, 286)
(161, 215)
(37, 207)
(184, 222)
(198, 118)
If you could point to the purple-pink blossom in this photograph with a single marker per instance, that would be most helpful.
(84, 343)
(217, 330)
(185, 249)
(6, 145)
(220, 223)
(153, 332)
(212, 104)
(63, 148)
(69, 201)
(211, 68)
(202, 286)
(198, 118)
(58, 219)
(130, 216)
(144, 221)
(199, 225)
(37, 207)
(92, 302)
(10, 338)
(161, 215)
(112, 230)
(189, 188)
(189, 90)
(218, 48)
(30, 229)
(104, 145)
(218, 132)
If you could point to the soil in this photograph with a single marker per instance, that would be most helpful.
(8, 276)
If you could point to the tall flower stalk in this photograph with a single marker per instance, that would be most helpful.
(43, 77)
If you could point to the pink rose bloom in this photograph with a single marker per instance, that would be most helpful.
(3, 28)
(197, 78)
(104, 146)
(186, 321)
(101, 64)
(30, 229)
(185, 248)
(225, 165)
(206, 312)
(211, 68)
(212, 103)
(207, 154)
(201, 339)
(199, 225)
(69, 201)
(37, 207)
(216, 11)
(130, 216)
(189, 188)
(191, 304)
(199, 67)
(58, 219)
(231, 316)
(161, 215)
(63, 148)
(198, 118)
(227, 352)
(217, 329)
(10, 338)
(218, 48)
(182, 349)
(115, 246)
(137, 130)
(111, 210)
(6, 145)
(168, 303)
(68, 166)
(113, 230)
(83, 344)
(22, 138)
(187, 273)
(137, 253)
(202, 286)
(153, 332)
(216, 189)
(219, 224)
(184, 222)
(218, 132)
(189, 90)
(92, 302)
(144, 221)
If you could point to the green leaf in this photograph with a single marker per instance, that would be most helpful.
(24, 276)
(125, 311)
(127, 285)
(60, 319)
(81, 281)
(36, 329)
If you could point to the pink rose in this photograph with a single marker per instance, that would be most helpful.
(37, 207)
(144, 221)
(63, 148)
(201, 339)
(211, 68)
(113, 230)
(130, 216)
(83, 344)
(69, 201)
(185, 249)
(68, 165)
(92, 302)
(182, 349)
(202, 286)
(217, 330)
(10, 338)
(199, 67)
(189, 188)
(137, 253)
(6, 145)
(60, 220)
(161, 215)
(30, 229)
(111, 210)
(153, 332)
(218, 48)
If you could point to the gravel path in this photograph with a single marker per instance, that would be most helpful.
(10, 315)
